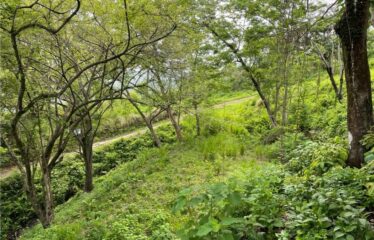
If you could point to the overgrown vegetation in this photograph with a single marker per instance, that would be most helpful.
(174, 119)
(220, 191)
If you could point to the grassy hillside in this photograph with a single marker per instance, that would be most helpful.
(240, 179)
(134, 200)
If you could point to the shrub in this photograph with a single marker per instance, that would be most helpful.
(316, 157)
(328, 207)
(16, 210)
(272, 135)
(67, 180)
(368, 142)
(5, 160)
(268, 204)
(166, 133)
(211, 126)
(233, 210)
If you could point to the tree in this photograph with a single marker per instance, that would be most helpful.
(148, 120)
(325, 45)
(352, 31)
(40, 117)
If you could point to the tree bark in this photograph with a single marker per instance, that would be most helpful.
(176, 126)
(156, 140)
(87, 151)
(47, 209)
(352, 31)
(197, 118)
(285, 86)
(326, 59)
(333, 83)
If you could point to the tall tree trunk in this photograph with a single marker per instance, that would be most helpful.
(176, 126)
(341, 73)
(352, 31)
(285, 85)
(87, 152)
(86, 140)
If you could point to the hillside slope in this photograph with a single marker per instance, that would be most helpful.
(134, 201)
(306, 192)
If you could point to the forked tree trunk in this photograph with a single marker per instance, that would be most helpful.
(176, 126)
(156, 140)
(352, 31)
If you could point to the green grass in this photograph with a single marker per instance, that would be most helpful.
(122, 117)
(134, 200)
(228, 96)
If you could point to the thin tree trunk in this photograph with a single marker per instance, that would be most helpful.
(156, 140)
(285, 95)
(251, 77)
(318, 85)
(197, 118)
(276, 100)
(176, 126)
(352, 31)
(341, 71)
(333, 83)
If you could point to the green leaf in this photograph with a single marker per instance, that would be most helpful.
(350, 237)
(226, 236)
(226, 221)
(278, 223)
(235, 198)
(338, 234)
(181, 202)
(204, 230)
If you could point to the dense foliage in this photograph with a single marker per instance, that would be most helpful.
(16, 212)
(219, 192)
(176, 119)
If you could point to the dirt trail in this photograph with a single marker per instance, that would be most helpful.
(8, 171)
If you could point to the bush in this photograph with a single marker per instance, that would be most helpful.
(233, 210)
(368, 142)
(272, 135)
(166, 133)
(256, 122)
(328, 207)
(16, 211)
(268, 204)
(5, 160)
(67, 180)
(316, 157)
(119, 152)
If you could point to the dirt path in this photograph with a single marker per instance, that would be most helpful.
(8, 171)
